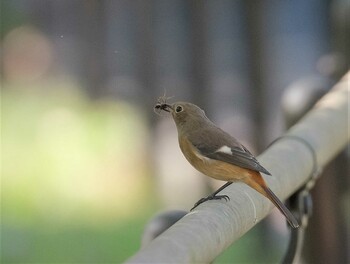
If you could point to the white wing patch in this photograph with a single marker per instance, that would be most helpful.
(225, 149)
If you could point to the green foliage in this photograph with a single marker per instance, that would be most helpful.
(70, 189)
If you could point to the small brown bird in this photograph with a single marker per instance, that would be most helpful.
(217, 154)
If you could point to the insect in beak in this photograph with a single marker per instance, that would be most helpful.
(162, 106)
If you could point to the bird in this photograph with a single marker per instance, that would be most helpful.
(217, 154)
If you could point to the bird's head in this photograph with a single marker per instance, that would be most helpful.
(186, 115)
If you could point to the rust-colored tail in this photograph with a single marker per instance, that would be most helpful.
(257, 182)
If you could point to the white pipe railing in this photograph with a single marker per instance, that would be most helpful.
(204, 233)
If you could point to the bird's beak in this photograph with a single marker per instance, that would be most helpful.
(167, 107)
(164, 107)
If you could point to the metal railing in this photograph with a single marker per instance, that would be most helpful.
(204, 233)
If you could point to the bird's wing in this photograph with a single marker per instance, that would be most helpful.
(225, 148)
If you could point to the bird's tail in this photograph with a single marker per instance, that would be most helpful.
(283, 209)
(257, 182)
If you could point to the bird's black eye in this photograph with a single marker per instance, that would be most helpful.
(178, 109)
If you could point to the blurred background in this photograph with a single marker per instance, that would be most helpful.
(85, 161)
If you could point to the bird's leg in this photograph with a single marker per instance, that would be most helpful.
(213, 196)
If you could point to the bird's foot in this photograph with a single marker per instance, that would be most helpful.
(210, 197)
